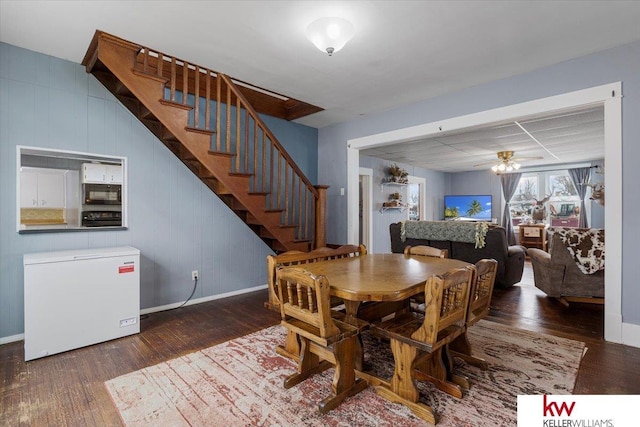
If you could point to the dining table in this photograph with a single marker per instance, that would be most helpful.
(382, 277)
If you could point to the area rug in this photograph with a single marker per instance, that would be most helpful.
(240, 383)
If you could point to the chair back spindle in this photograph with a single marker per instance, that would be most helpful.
(306, 299)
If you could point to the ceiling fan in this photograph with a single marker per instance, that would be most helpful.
(506, 162)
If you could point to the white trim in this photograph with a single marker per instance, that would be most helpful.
(353, 167)
(608, 94)
(74, 155)
(631, 335)
(367, 207)
(613, 219)
(201, 300)
(567, 101)
(11, 338)
(19, 337)
(422, 185)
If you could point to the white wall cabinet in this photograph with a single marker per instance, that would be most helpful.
(99, 173)
(42, 188)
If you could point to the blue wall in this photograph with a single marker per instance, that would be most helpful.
(437, 185)
(178, 224)
(612, 65)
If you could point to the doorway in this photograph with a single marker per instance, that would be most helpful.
(609, 96)
(416, 198)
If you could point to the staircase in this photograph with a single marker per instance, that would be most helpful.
(208, 121)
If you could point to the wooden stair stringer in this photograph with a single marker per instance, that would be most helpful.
(119, 58)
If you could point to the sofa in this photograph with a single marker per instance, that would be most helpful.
(573, 269)
(510, 258)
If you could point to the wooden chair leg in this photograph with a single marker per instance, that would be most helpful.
(434, 370)
(344, 383)
(291, 347)
(461, 347)
(308, 364)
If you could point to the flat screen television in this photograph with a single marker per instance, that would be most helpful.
(467, 208)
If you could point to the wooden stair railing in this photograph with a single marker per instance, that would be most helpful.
(208, 120)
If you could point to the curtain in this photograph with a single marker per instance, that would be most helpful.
(581, 176)
(509, 186)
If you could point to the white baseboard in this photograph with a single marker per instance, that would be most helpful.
(19, 337)
(631, 335)
(12, 338)
(201, 300)
(630, 332)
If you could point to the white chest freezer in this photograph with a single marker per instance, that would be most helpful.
(77, 298)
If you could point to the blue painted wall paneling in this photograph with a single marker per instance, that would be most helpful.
(178, 223)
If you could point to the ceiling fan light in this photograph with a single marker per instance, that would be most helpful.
(330, 34)
(516, 166)
(502, 167)
(509, 168)
(494, 168)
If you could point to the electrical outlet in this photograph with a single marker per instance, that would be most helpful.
(194, 275)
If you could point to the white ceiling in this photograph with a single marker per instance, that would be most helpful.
(569, 137)
(403, 51)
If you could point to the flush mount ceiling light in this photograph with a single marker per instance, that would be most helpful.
(330, 34)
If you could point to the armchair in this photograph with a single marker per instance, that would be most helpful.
(558, 275)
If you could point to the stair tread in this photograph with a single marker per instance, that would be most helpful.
(150, 75)
(221, 153)
(176, 104)
(199, 130)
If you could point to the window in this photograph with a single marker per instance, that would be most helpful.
(562, 208)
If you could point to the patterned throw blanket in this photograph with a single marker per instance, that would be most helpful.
(585, 246)
(454, 231)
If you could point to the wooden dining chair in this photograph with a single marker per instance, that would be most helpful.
(291, 348)
(324, 340)
(423, 250)
(418, 340)
(479, 302)
(426, 251)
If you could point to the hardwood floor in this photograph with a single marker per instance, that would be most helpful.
(68, 389)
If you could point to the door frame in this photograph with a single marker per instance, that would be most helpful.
(422, 183)
(367, 206)
(608, 95)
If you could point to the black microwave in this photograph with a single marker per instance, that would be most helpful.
(102, 194)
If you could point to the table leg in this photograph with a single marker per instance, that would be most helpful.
(351, 311)
(351, 317)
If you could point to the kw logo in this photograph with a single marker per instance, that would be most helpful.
(551, 409)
